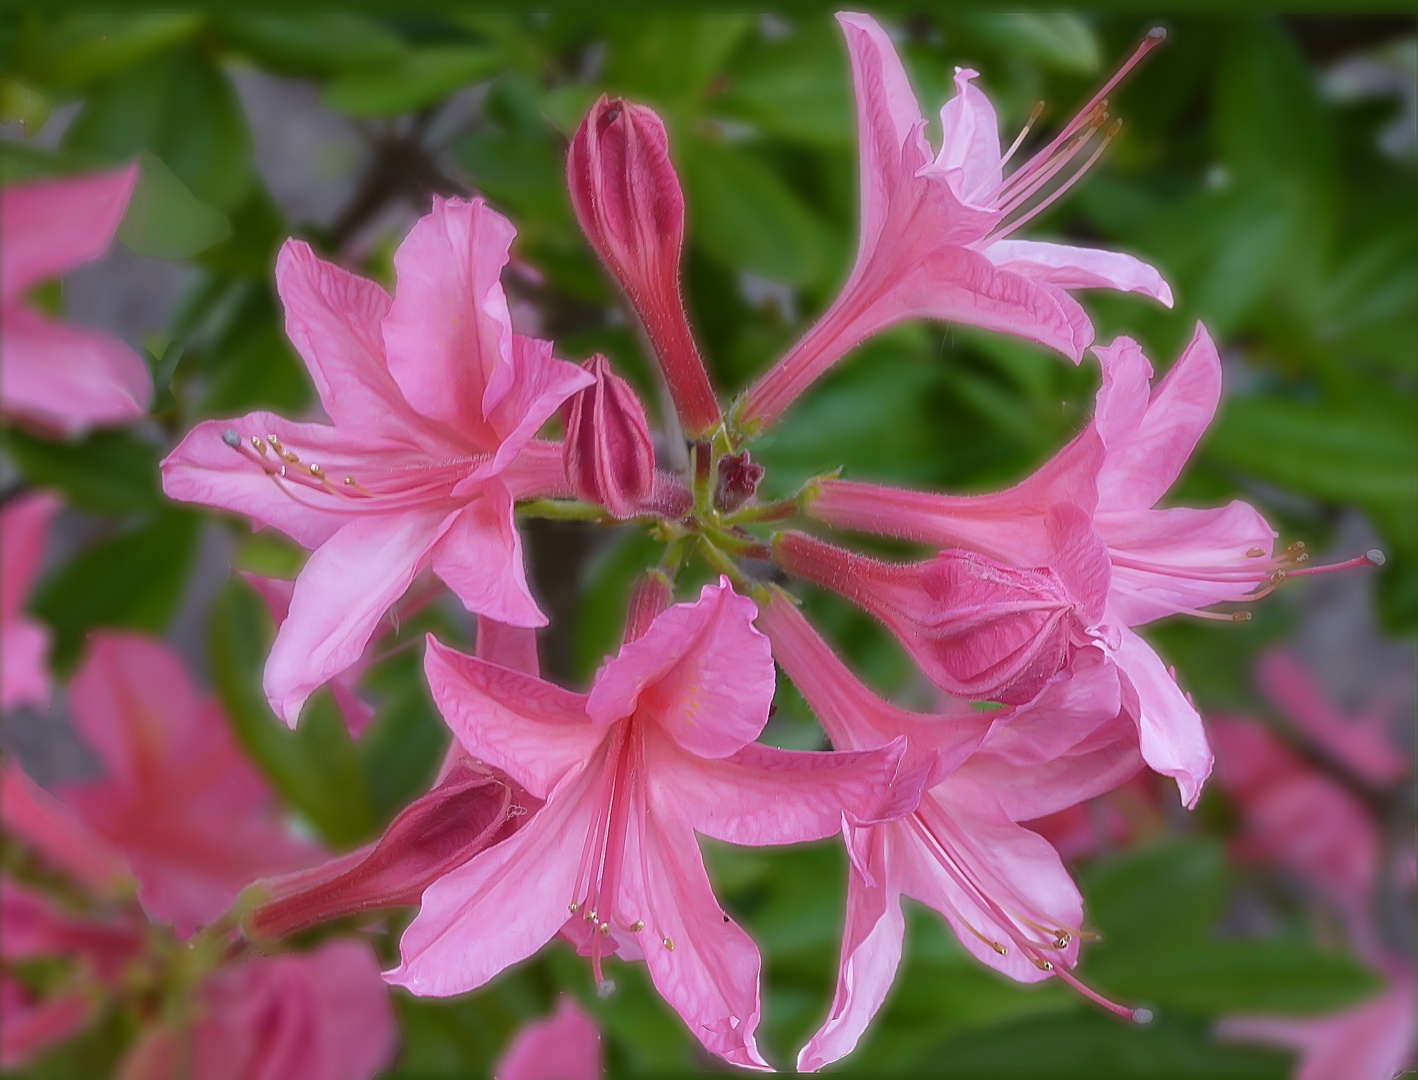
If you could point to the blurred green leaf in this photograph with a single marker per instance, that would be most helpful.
(183, 109)
(669, 58)
(796, 88)
(165, 220)
(420, 77)
(404, 743)
(313, 43)
(77, 50)
(133, 580)
(601, 616)
(1061, 42)
(250, 362)
(1168, 894)
(111, 472)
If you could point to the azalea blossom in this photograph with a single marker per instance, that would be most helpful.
(1000, 886)
(24, 531)
(662, 747)
(58, 377)
(434, 402)
(565, 1047)
(188, 814)
(936, 232)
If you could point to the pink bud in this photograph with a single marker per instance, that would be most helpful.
(738, 481)
(978, 628)
(609, 456)
(651, 596)
(469, 811)
(628, 200)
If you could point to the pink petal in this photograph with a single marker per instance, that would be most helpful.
(1123, 396)
(24, 524)
(538, 387)
(24, 676)
(532, 730)
(333, 318)
(204, 469)
(34, 927)
(710, 977)
(502, 906)
(1172, 738)
(1144, 463)
(762, 795)
(702, 671)
(1181, 560)
(448, 334)
(33, 1026)
(479, 557)
(342, 593)
(512, 647)
(1069, 709)
(610, 459)
(55, 832)
(970, 139)
(565, 1047)
(68, 378)
(51, 226)
(354, 1006)
(1077, 267)
(871, 952)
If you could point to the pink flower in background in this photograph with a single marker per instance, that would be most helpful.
(1001, 887)
(565, 1047)
(323, 1014)
(934, 239)
(24, 531)
(58, 377)
(610, 459)
(433, 399)
(661, 748)
(53, 830)
(628, 200)
(192, 819)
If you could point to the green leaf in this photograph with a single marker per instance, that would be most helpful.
(165, 220)
(1058, 41)
(133, 580)
(746, 217)
(1168, 894)
(315, 769)
(314, 43)
(600, 618)
(250, 363)
(421, 77)
(401, 748)
(668, 58)
(80, 49)
(111, 472)
(797, 88)
(182, 108)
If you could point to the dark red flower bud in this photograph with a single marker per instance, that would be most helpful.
(628, 200)
(609, 456)
(738, 481)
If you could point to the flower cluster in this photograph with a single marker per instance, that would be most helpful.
(576, 815)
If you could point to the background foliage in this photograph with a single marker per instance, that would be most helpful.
(1270, 206)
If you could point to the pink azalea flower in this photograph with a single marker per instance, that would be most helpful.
(1001, 887)
(24, 531)
(662, 747)
(55, 832)
(935, 229)
(188, 813)
(433, 399)
(59, 377)
(1099, 495)
(324, 1014)
(610, 459)
(628, 200)
(566, 1047)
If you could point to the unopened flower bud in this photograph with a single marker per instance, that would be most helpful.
(738, 481)
(628, 200)
(609, 456)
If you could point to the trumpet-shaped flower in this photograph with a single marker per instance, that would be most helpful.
(936, 230)
(434, 402)
(24, 527)
(1001, 887)
(59, 377)
(662, 747)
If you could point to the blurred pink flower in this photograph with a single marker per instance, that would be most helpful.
(661, 748)
(610, 459)
(34, 1023)
(565, 1047)
(434, 401)
(324, 1015)
(59, 377)
(190, 816)
(933, 240)
(628, 200)
(1001, 887)
(55, 832)
(24, 531)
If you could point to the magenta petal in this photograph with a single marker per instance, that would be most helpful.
(479, 557)
(341, 594)
(1169, 729)
(24, 643)
(532, 730)
(539, 386)
(702, 671)
(710, 976)
(871, 951)
(566, 1047)
(1078, 268)
(51, 226)
(33, 1026)
(56, 833)
(970, 139)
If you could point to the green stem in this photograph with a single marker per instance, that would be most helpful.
(562, 510)
(722, 563)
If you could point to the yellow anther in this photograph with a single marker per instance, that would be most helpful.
(605, 929)
(1256, 553)
(1042, 964)
(574, 907)
(1061, 939)
(998, 948)
(316, 471)
(1240, 616)
(637, 926)
(349, 481)
(258, 444)
(668, 943)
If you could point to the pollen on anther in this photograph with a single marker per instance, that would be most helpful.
(1042, 964)
(1061, 939)
(1256, 553)
(257, 444)
(1240, 616)
(637, 926)
(231, 438)
(668, 943)
(604, 928)
(573, 907)
(316, 471)
(349, 481)
(998, 948)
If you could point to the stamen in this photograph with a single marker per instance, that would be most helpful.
(1256, 553)
(1034, 115)
(605, 988)
(668, 943)
(1062, 188)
